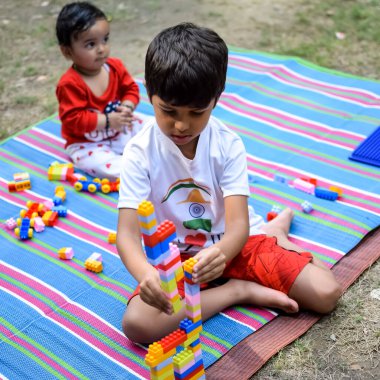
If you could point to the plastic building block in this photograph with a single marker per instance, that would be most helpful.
(19, 177)
(19, 185)
(66, 253)
(60, 171)
(110, 187)
(306, 207)
(93, 265)
(145, 208)
(24, 231)
(95, 256)
(310, 180)
(34, 209)
(90, 186)
(302, 185)
(61, 210)
(50, 218)
(336, 189)
(112, 237)
(48, 204)
(39, 225)
(74, 177)
(326, 194)
(10, 224)
(271, 215)
(172, 340)
(189, 264)
(60, 195)
(368, 150)
(281, 178)
(251, 178)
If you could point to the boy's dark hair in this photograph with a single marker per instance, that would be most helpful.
(186, 65)
(75, 18)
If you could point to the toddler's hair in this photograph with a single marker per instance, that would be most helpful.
(186, 65)
(75, 18)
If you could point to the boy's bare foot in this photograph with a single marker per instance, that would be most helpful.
(259, 295)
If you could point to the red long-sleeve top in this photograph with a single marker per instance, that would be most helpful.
(78, 106)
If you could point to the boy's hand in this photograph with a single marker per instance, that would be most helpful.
(210, 265)
(152, 293)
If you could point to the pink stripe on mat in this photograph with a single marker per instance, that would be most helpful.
(44, 148)
(373, 100)
(313, 136)
(16, 160)
(288, 117)
(46, 359)
(50, 313)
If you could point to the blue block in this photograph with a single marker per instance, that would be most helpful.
(153, 252)
(149, 231)
(326, 194)
(165, 243)
(146, 219)
(60, 210)
(188, 326)
(57, 200)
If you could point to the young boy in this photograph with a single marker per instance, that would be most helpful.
(193, 169)
(96, 95)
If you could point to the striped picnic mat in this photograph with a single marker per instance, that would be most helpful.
(58, 320)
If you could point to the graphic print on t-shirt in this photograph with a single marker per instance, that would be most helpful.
(193, 201)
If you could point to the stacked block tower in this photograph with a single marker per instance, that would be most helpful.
(179, 354)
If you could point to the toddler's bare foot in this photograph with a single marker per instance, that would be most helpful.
(259, 295)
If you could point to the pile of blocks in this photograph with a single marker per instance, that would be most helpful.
(38, 215)
(163, 358)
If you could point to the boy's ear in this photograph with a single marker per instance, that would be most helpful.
(66, 51)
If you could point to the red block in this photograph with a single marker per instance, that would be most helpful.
(173, 340)
(271, 215)
(151, 240)
(165, 229)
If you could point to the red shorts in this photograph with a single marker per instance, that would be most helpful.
(262, 261)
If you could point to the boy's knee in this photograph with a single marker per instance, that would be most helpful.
(134, 327)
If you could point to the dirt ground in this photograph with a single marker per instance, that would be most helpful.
(344, 345)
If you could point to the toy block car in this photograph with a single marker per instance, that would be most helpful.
(108, 186)
(84, 185)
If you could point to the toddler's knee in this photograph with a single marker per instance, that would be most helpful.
(328, 298)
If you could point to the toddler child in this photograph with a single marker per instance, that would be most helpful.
(96, 95)
(194, 170)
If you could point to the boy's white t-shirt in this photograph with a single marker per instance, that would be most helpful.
(188, 192)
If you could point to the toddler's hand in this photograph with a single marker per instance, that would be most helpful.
(152, 293)
(210, 265)
(121, 118)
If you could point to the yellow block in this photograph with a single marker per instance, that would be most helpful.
(163, 372)
(182, 358)
(155, 349)
(152, 361)
(145, 208)
(149, 225)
